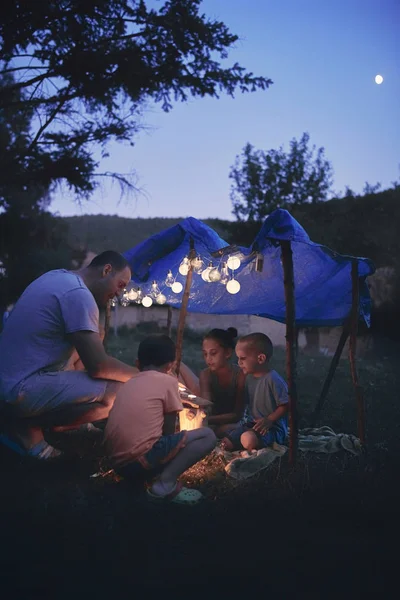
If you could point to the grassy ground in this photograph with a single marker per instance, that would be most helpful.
(326, 527)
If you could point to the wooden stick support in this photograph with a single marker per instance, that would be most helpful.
(183, 311)
(352, 352)
(331, 373)
(169, 321)
(288, 279)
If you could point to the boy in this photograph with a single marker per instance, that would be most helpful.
(265, 418)
(140, 433)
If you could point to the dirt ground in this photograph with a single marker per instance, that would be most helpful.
(328, 527)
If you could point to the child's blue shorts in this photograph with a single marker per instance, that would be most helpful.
(272, 435)
(163, 451)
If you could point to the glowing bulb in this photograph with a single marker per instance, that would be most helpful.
(177, 287)
(233, 286)
(197, 265)
(184, 266)
(205, 275)
(113, 303)
(214, 275)
(147, 301)
(155, 291)
(233, 263)
(378, 79)
(224, 274)
(125, 299)
(139, 296)
(132, 294)
(169, 279)
(161, 299)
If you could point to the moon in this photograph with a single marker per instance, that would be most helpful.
(378, 79)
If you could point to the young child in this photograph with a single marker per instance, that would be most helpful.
(222, 382)
(140, 433)
(265, 418)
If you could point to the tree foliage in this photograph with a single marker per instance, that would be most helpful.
(85, 70)
(264, 181)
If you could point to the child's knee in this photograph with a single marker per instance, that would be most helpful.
(249, 440)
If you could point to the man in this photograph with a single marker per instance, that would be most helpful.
(55, 321)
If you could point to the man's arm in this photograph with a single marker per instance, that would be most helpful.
(96, 361)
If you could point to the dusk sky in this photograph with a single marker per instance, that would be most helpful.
(322, 56)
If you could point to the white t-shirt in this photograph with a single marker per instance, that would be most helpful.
(34, 335)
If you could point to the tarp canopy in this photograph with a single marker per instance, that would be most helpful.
(322, 277)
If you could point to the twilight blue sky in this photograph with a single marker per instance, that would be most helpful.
(322, 56)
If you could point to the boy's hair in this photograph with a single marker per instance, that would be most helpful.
(259, 342)
(224, 337)
(110, 257)
(156, 350)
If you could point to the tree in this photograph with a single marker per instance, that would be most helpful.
(86, 69)
(264, 181)
(32, 241)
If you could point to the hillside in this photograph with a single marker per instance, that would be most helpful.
(361, 226)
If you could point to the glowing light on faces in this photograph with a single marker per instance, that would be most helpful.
(233, 263)
(177, 287)
(147, 301)
(233, 286)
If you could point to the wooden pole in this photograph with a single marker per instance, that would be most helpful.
(331, 372)
(288, 280)
(107, 322)
(183, 311)
(169, 321)
(352, 351)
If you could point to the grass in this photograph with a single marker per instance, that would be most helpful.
(322, 527)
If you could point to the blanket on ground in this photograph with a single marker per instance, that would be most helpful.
(241, 465)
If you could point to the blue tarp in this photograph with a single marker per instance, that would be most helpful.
(322, 277)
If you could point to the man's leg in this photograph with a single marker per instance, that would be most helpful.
(199, 443)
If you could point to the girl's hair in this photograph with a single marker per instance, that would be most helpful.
(225, 337)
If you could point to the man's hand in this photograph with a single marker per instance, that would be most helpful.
(262, 425)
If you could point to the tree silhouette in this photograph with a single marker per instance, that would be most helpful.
(264, 181)
(87, 69)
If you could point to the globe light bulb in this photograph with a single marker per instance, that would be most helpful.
(124, 301)
(233, 286)
(224, 274)
(184, 266)
(177, 287)
(233, 263)
(139, 296)
(214, 275)
(132, 294)
(147, 301)
(205, 275)
(113, 303)
(169, 279)
(197, 265)
(161, 299)
(155, 290)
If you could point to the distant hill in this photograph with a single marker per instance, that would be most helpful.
(361, 226)
(104, 232)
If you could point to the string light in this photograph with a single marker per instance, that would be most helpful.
(161, 299)
(139, 296)
(147, 301)
(224, 274)
(233, 286)
(205, 275)
(132, 294)
(197, 265)
(214, 275)
(184, 266)
(155, 290)
(169, 281)
(233, 262)
(177, 287)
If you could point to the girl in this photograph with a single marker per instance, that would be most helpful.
(222, 382)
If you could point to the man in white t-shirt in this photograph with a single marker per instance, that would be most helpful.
(55, 319)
